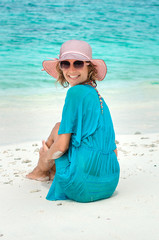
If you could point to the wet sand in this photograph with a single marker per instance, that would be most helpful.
(133, 107)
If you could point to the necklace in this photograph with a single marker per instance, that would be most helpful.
(93, 84)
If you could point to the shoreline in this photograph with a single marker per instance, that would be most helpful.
(134, 202)
(27, 118)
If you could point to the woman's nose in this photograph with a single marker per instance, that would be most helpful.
(72, 68)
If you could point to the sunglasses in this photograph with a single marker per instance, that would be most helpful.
(66, 64)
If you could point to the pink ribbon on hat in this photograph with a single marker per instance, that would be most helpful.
(75, 52)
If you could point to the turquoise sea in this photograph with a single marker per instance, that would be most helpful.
(125, 33)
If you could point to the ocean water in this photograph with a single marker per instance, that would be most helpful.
(124, 33)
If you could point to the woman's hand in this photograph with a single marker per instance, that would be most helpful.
(43, 149)
(116, 152)
(44, 162)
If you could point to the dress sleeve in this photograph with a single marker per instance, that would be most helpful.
(80, 114)
(72, 113)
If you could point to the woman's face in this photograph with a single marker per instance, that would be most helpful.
(75, 76)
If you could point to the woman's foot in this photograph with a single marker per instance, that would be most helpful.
(39, 175)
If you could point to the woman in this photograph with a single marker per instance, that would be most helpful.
(82, 145)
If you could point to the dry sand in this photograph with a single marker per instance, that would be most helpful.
(131, 213)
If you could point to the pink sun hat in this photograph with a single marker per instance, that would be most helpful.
(78, 50)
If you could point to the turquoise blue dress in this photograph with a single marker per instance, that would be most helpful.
(89, 170)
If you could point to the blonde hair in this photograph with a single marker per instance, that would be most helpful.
(92, 75)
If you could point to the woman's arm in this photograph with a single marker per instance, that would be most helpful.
(57, 149)
(60, 146)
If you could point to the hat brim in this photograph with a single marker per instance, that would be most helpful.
(50, 67)
(101, 68)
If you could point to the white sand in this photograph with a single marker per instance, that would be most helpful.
(131, 213)
(31, 117)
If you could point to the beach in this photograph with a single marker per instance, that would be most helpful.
(131, 213)
(27, 116)
(125, 35)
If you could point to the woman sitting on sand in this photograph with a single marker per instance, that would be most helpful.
(82, 146)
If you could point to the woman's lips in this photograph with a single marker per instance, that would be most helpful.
(73, 76)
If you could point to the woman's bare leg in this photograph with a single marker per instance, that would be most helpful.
(49, 142)
(37, 173)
